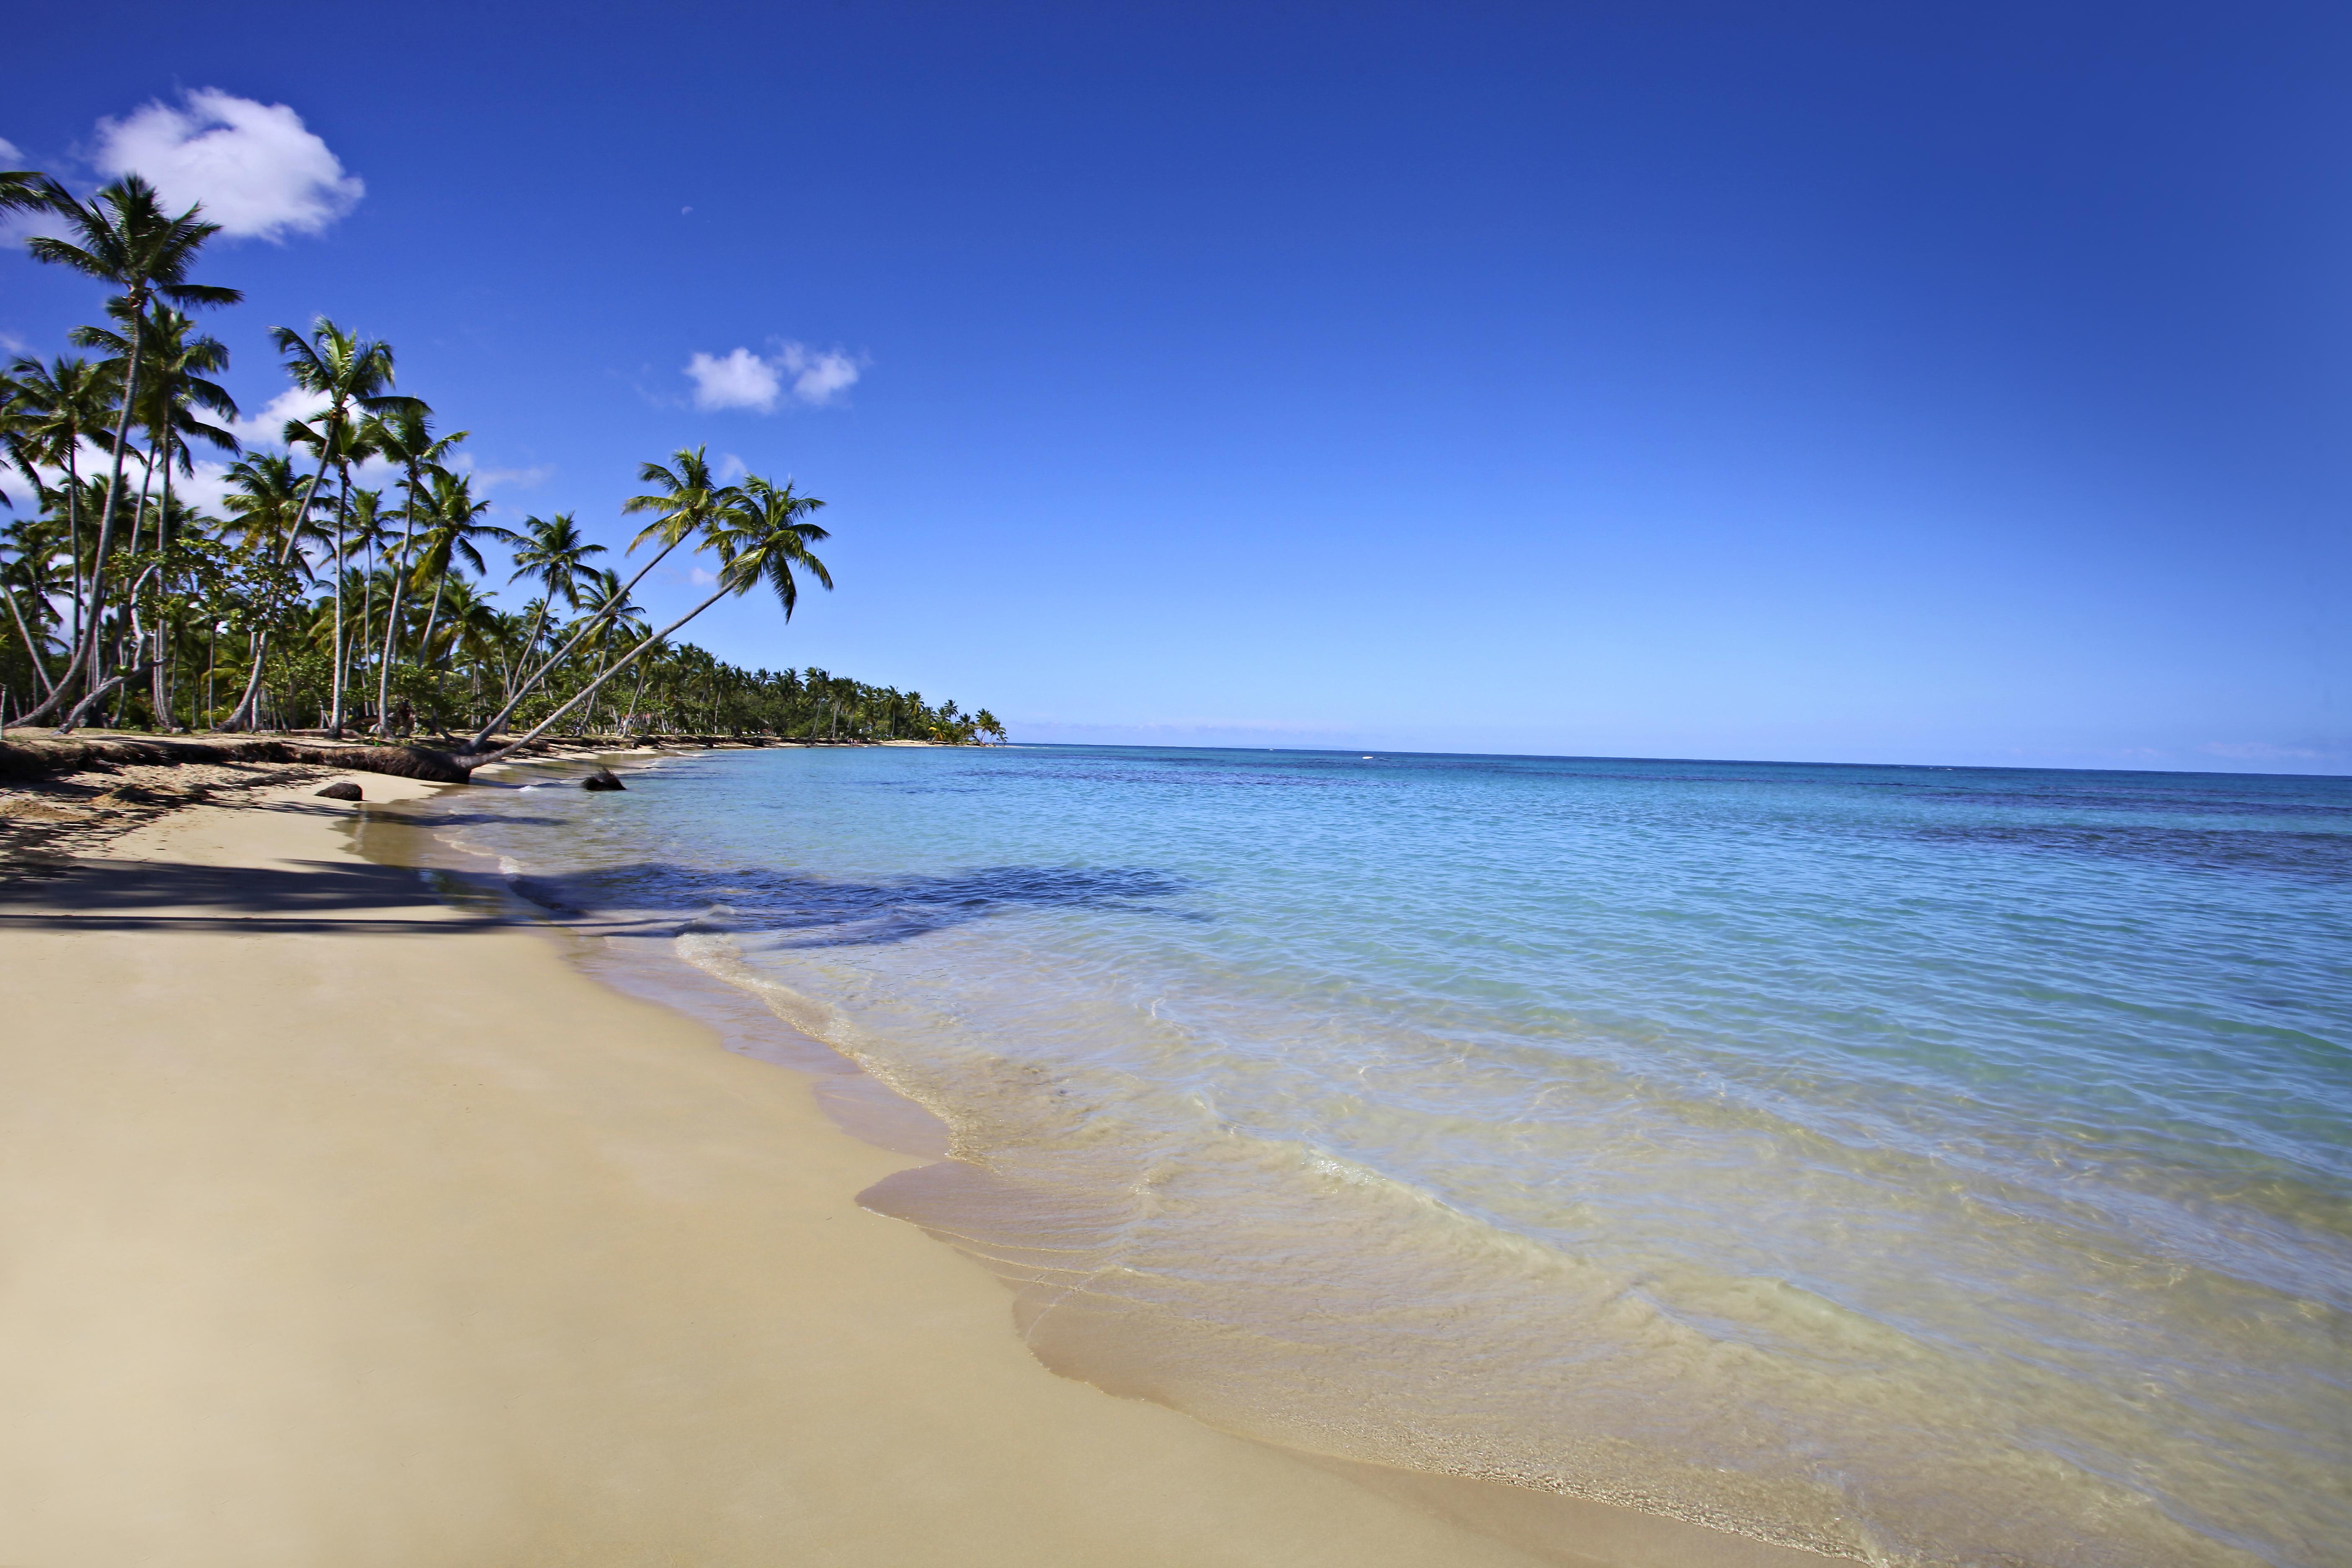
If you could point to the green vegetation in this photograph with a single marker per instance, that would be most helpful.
(315, 604)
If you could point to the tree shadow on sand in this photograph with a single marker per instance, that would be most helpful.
(95, 894)
(647, 898)
(807, 911)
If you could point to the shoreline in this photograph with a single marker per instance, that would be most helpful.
(356, 1226)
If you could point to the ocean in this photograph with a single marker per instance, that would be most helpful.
(1919, 1165)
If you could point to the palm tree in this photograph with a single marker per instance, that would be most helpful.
(36, 544)
(368, 529)
(268, 503)
(124, 237)
(407, 439)
(554, 557)
(761, 536)
(174, 383)
(456, 523)
(342, 444)
(687, 502)
(62, 403)
(353, 374)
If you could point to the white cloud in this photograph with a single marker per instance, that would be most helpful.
(9, 156)
(741, 379)
(510, 478)
(817, 376)
(206, 489)
(257, 171)
(267, 429)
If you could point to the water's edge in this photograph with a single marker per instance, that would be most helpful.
(1574, 1531)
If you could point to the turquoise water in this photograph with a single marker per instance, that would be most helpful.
(1915, 1164)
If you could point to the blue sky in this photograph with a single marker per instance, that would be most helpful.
(1954, 384)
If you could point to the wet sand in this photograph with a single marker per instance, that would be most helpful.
(343, 1225)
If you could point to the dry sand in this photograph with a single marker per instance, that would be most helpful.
(340, 1226)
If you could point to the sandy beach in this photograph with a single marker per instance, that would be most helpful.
(343, 1225)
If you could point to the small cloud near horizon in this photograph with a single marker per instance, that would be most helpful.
(256, 169)
(2265, 752)
(741, 379)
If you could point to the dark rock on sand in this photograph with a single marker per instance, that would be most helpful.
(343, 789)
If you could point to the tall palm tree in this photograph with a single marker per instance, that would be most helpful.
(341, 444)
(687, 502)
(405, 438)
(762, 535)
(63, 402)
(354, 374)
(175, 384)
(367, 530)
(123, 236)
(554, 557)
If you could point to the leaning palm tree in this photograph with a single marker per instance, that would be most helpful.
(687, 501)
(762, 536)
(554, 557)
(124, 237)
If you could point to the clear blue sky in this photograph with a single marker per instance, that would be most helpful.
(1961, 384)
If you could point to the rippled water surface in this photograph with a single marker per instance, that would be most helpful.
(1917, 1164)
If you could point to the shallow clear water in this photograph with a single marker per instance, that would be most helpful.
(1920, 1164)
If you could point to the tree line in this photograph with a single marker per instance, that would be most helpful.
(314, 602)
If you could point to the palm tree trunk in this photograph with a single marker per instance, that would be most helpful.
(106, 515)
(343, 510)
(32, 648)
(391, 616)
(73, 532)
(634, 695)
(330, 434)
(159, 695)
(532, 681)
(529, 641)
(367, 612)
(610, 671)
(247, 714)
(425, 642)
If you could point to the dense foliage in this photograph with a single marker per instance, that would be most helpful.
(316, 602)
